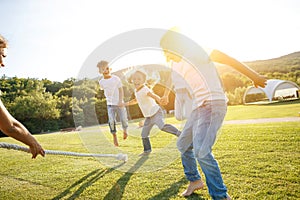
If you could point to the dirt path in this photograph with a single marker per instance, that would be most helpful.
(263, 120)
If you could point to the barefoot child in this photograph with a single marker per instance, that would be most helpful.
(151, 110)
(114, 94)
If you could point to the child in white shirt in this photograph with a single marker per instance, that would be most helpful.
(114, 94)
(152, 112)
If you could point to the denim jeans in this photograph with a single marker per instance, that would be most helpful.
(195, 144)
(112, 111)
(158, 120)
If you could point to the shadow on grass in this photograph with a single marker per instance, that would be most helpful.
(173, 191)
(84, 182)
(117, 191)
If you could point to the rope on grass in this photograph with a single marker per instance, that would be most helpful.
(119, 156)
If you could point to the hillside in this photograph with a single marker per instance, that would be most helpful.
(284, 64)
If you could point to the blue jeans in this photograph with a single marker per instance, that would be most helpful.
(112, 111)
(158, 120)
(195, 144)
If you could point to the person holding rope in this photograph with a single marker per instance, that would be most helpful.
(9, 125)
(209, 109)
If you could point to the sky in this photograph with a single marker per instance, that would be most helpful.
(51, 39)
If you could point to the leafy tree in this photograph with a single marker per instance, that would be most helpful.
(52, 87)
(231, 81)
(84, 91)
(101, 110)
(90, 117)
(64, 105)
(35, 110)
(77, 111)
(64, 92)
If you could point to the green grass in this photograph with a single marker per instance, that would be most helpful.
(258, 161)
(273, 110)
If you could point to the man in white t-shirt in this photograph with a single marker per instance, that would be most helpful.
(208, 112)
(114, 94)
(152, 112)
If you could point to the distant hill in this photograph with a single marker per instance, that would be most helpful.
(283, 64)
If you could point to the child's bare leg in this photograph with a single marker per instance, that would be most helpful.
(194, 185)
(115, 139)
(125, 134)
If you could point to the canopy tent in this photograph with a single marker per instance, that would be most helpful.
(273, 86)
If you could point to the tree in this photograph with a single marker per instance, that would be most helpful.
(64, 105)
(84, 91)
(52, 87)
(231, 81)
(36, 111)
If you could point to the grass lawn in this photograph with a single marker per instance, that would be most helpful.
(258, 161)
(272, 110)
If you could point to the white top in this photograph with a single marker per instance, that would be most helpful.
(147, 104)
(202, 79)
(111, 89)
(178, 80)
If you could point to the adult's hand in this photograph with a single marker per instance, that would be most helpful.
(36, 149)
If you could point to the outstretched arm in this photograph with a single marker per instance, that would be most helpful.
(13, 128)
(154, 96)
(220, 57)
(129, 103)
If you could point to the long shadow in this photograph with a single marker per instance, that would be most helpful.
(96, 175)
(173, 191)
(117, 191)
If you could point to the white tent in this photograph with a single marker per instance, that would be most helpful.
(273, 86)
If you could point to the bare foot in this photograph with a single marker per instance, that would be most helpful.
(116, 143)
(115, 140)
(125, 135)
(194, 185)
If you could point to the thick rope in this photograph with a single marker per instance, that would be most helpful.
(119, 156)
